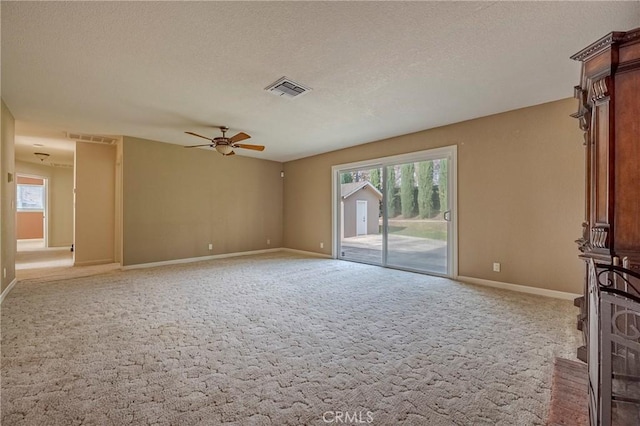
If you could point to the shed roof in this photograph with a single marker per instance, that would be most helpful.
(348, 189)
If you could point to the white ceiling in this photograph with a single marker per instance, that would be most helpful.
(377, 69)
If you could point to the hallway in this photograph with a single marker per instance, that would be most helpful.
(32, 254)
(34, 262)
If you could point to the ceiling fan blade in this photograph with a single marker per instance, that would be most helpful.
(239, 137)
(200, 136)
(245, 146)
(195, 146)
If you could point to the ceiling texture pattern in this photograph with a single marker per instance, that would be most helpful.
(377, 69)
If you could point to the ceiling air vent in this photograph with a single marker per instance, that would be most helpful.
(62, 165)
(81, 137)
(287, 88)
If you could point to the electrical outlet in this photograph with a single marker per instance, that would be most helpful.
(210, 246)
(268, 242)
(321, 245)
(496, 267)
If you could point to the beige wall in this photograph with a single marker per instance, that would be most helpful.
(95, 182)
(60, 193)
(7, 199)
(520, 194)
(176, 201)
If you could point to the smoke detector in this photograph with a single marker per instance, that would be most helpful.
(287, 88)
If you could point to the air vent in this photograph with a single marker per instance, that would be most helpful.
(287, 88)
(62, 165)
(81, 137)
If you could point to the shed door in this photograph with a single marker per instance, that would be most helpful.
(361, 217)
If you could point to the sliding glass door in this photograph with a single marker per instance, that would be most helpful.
(417, 213)
(360, 202)
(398, 212)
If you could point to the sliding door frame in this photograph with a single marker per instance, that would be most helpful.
(336, 216)
(449, 152)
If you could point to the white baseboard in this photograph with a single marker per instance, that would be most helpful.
(307, 253)
(8, 289)
(520, 288)
(198, 259)
(93, 262)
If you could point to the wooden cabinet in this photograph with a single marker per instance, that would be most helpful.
(609, 114)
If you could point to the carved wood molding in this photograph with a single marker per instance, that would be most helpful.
(604, 42)
(600, 89)
(630, 36)
(599, 234)
(584, 110)
(583, 242)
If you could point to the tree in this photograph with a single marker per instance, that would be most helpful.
(443, 183)
(346, 178)
(407, 186)
(435, 201)
(425, 189)
(375, 178)
(391, 195)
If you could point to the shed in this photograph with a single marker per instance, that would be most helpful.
(360, 206)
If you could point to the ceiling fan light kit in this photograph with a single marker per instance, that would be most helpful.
(225, 145)
(224, 149)
(41, 155)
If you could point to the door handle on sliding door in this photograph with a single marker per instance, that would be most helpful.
(447, 215)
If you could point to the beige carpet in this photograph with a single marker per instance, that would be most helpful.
(277, 340)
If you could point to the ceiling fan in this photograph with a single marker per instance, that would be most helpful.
(225, 145)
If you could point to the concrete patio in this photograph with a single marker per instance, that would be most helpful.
(404, 251)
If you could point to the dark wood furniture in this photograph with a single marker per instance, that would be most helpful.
(609, 115)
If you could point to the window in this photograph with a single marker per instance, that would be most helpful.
(30, 197)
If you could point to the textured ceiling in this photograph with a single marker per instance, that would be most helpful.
(377, 69)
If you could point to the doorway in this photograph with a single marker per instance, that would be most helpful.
(31, 212)
(414, 197)
(34, 248)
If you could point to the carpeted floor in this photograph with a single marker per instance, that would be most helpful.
(277, 339)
